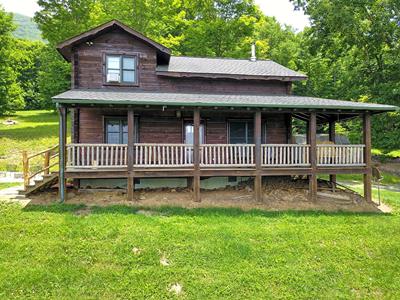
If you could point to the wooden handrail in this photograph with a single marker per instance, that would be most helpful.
(47, 157)
(42, 152)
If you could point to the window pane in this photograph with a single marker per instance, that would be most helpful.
(113, 62)
(250, 132)
(128, 76)
(125, 138)
(128, 63)
(113, 76)
(125, 126)
(237, 133)
(113, 138)
(113, 126)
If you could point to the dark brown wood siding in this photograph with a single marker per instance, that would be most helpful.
(165, 127)
(276, 129)
(89, 67)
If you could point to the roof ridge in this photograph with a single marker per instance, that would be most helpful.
(218, 57)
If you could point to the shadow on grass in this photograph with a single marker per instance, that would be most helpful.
(192, 212)
(36, 116)
(31, 132)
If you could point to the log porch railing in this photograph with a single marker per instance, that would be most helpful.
(38, 168)
(281, 155)
(340, 155)
(227, 155)
(91, 156)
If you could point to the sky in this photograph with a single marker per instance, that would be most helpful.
(282, 10)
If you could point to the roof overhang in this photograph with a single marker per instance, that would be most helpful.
(229, 76)
(65, 48)
(279, 102)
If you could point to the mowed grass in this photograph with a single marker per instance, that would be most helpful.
(6, 185)
(52, 252)
(387, 178)
(35, 130)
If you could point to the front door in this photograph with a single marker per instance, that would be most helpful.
(189, 133)
(189, 138)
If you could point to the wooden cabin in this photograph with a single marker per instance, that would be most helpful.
(139, 113)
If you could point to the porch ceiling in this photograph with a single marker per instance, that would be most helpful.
(113, 97)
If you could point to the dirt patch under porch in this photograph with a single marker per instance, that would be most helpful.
(278, 194)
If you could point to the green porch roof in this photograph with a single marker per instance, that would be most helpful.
(101, 96)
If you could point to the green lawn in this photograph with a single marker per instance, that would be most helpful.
(5, 185)
(35, 130)
(388, 178)
(52, 252)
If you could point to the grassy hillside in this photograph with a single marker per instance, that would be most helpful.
(27, 28)
(35, 130)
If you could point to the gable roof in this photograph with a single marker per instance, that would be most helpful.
(227, 67)
(65, 47)
(101, 96)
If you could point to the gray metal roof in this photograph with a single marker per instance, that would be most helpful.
(101, 96)
(228, 66)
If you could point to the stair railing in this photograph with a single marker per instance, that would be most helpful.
(48, 156)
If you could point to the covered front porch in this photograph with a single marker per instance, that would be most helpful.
(199, 159)
(172, 135)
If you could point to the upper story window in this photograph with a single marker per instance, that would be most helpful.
(121, 69)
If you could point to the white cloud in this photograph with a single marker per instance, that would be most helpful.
(24, 7)
(283, 11)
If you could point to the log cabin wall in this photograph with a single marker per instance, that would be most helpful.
(156, 126)
(165, 127)
(88, 70)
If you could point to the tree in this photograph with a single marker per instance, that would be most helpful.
(54, 76)
(10, 92)
(352, 51)
(25, 58)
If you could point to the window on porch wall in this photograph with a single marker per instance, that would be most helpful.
(189, 133)
(241, 132)
(117, 130)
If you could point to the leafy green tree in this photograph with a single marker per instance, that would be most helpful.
(352, 51)
(10, 92)
(54, 76)
(26, 63)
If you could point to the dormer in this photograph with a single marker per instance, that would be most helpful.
(112, 54)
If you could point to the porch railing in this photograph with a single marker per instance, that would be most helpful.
(225, 155)
(281, 155)
(97, 155)
(211, 155)
(340, 155)
(163, 155)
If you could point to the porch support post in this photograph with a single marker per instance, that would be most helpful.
(332, 135)
(196, 155)
(131, 138)
(62, 113)
(313, 183)
(367, 156)
(257, 156)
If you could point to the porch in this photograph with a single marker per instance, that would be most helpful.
(153, 139)
(85, 157)
(196, 159)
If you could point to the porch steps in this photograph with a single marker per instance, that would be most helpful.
(39, 184)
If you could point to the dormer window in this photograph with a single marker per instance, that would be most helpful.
(121, 69)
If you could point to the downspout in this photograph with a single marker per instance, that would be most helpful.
(61, 159)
